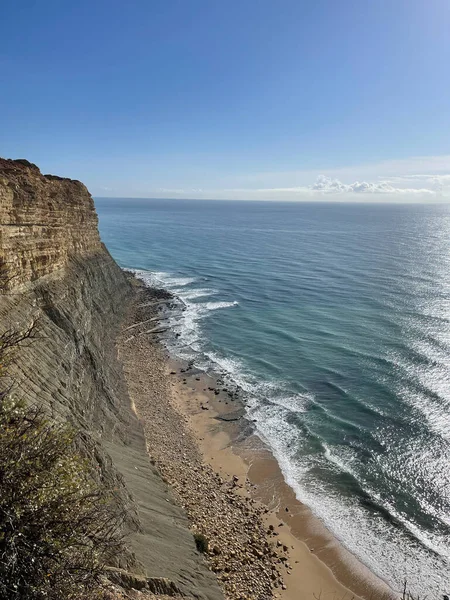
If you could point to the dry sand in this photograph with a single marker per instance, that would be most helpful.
(263, 543)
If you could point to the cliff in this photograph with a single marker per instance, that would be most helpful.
(45, 221)
(56, 272)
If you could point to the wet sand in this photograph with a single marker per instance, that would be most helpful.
(263, 542)
(321, 566)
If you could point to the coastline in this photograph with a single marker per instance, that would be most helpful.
(321, 566)
(262, 541)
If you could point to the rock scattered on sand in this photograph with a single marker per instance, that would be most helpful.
(240, 550)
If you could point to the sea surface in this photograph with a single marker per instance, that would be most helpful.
(335, 321)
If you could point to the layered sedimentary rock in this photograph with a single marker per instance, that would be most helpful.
(45, 220)
(55, 272)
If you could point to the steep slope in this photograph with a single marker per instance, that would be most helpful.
(56, 272)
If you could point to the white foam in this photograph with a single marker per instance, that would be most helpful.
(193, 294)
(170, 281)
(217, 305)
(226, 365)
(187, 323)
(162, 279)
(387, 551)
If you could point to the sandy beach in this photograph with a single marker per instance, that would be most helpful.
(261, 542)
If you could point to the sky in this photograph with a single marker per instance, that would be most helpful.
(238, 99)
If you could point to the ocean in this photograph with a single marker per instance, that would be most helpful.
(335, 321)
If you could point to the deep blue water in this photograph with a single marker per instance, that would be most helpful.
(335, 318)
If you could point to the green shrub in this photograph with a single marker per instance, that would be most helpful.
(59, 525)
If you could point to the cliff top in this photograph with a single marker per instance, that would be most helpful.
(10, 166)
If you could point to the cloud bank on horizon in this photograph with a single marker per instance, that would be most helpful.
(418, 179)
(327, 185)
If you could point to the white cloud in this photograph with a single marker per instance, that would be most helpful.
(326, 185)
(437, 182)
(323, 187)
(429, 169)
(420, 177)
(414, 179)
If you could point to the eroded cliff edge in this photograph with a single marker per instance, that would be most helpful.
(55, 271)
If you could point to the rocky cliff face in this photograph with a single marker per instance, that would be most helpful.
(56, 272)
(45, 220)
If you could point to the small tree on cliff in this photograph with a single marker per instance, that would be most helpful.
(58, 526)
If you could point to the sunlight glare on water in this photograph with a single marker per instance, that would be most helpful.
(335, 322)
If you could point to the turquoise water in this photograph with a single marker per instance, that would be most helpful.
(335, 320)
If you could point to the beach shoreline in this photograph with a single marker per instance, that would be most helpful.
(293, 553)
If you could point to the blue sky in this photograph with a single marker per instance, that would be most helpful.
(279, 99)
